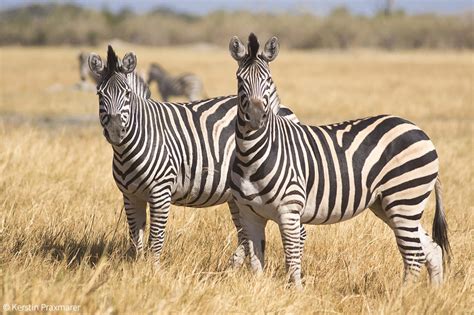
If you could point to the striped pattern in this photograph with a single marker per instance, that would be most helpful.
(295, 174)
(187, 84)
(166, 153)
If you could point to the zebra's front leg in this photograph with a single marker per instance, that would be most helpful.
(253, 227)
(238, 257)
(302, 240)
(160, 202)
(290, 230)
(135, 209)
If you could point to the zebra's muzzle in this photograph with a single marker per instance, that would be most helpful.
(255, 114)
(114, 132)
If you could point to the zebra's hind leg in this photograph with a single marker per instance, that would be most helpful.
(238, 257)
(135, 209)
(433, 255)
(407, 234)
(415, 245)
(290, 230)
(405, 223)
(253, 227)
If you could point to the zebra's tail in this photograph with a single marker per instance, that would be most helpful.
(440, 226)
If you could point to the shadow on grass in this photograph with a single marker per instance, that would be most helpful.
(83, 251)
(76, 251)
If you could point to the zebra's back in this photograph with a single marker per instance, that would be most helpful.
(198, 143)
(340, 169)
(203, 134)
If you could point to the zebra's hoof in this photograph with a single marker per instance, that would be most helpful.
(297, 286)
(156, 265)
(236, 262)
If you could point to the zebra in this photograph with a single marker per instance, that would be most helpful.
(166, 153)
(293, 173)
(84, 71)
(186, 84)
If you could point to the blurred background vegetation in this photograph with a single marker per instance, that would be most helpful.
(70, 24)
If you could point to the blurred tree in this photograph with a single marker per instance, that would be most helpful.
(389, 4)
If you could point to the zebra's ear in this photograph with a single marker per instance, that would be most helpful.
(237, 48)
(95, 64)
(272, 47)
(129, 62)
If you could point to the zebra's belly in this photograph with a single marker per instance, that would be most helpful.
(201, 200)
(200, 193)
(327, 216)
(333, 210)
(257, 205)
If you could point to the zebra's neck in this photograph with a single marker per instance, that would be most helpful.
(274, 100)
(138, 85)
(250, 142)
(143, 148)
(141, 129)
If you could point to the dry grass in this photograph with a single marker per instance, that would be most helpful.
(64, 238)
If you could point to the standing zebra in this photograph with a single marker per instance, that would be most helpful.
(293, 174)
(186, 84)
(166, 153)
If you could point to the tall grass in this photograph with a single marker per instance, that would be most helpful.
(64, 236)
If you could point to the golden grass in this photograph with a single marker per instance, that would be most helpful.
(64, 238)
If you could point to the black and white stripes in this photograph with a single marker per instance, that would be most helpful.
(165, 153)
(295, 174)
(186, 84)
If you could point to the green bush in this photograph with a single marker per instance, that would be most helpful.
(54, 24)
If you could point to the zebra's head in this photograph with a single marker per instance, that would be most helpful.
(256, 90)
(83, 67)
(156, 72)
(114, 92)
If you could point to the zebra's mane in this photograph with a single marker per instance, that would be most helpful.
(113, 63)
(138, 85)
(253, 46)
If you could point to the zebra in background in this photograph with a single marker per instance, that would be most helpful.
(166, 153)
(84, 70)
(186, 84)
(293, 174)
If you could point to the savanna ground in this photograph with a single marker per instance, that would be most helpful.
(64, 236)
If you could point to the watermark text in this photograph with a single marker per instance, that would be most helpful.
(13, 307)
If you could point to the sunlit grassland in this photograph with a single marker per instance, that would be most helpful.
(64, 236)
